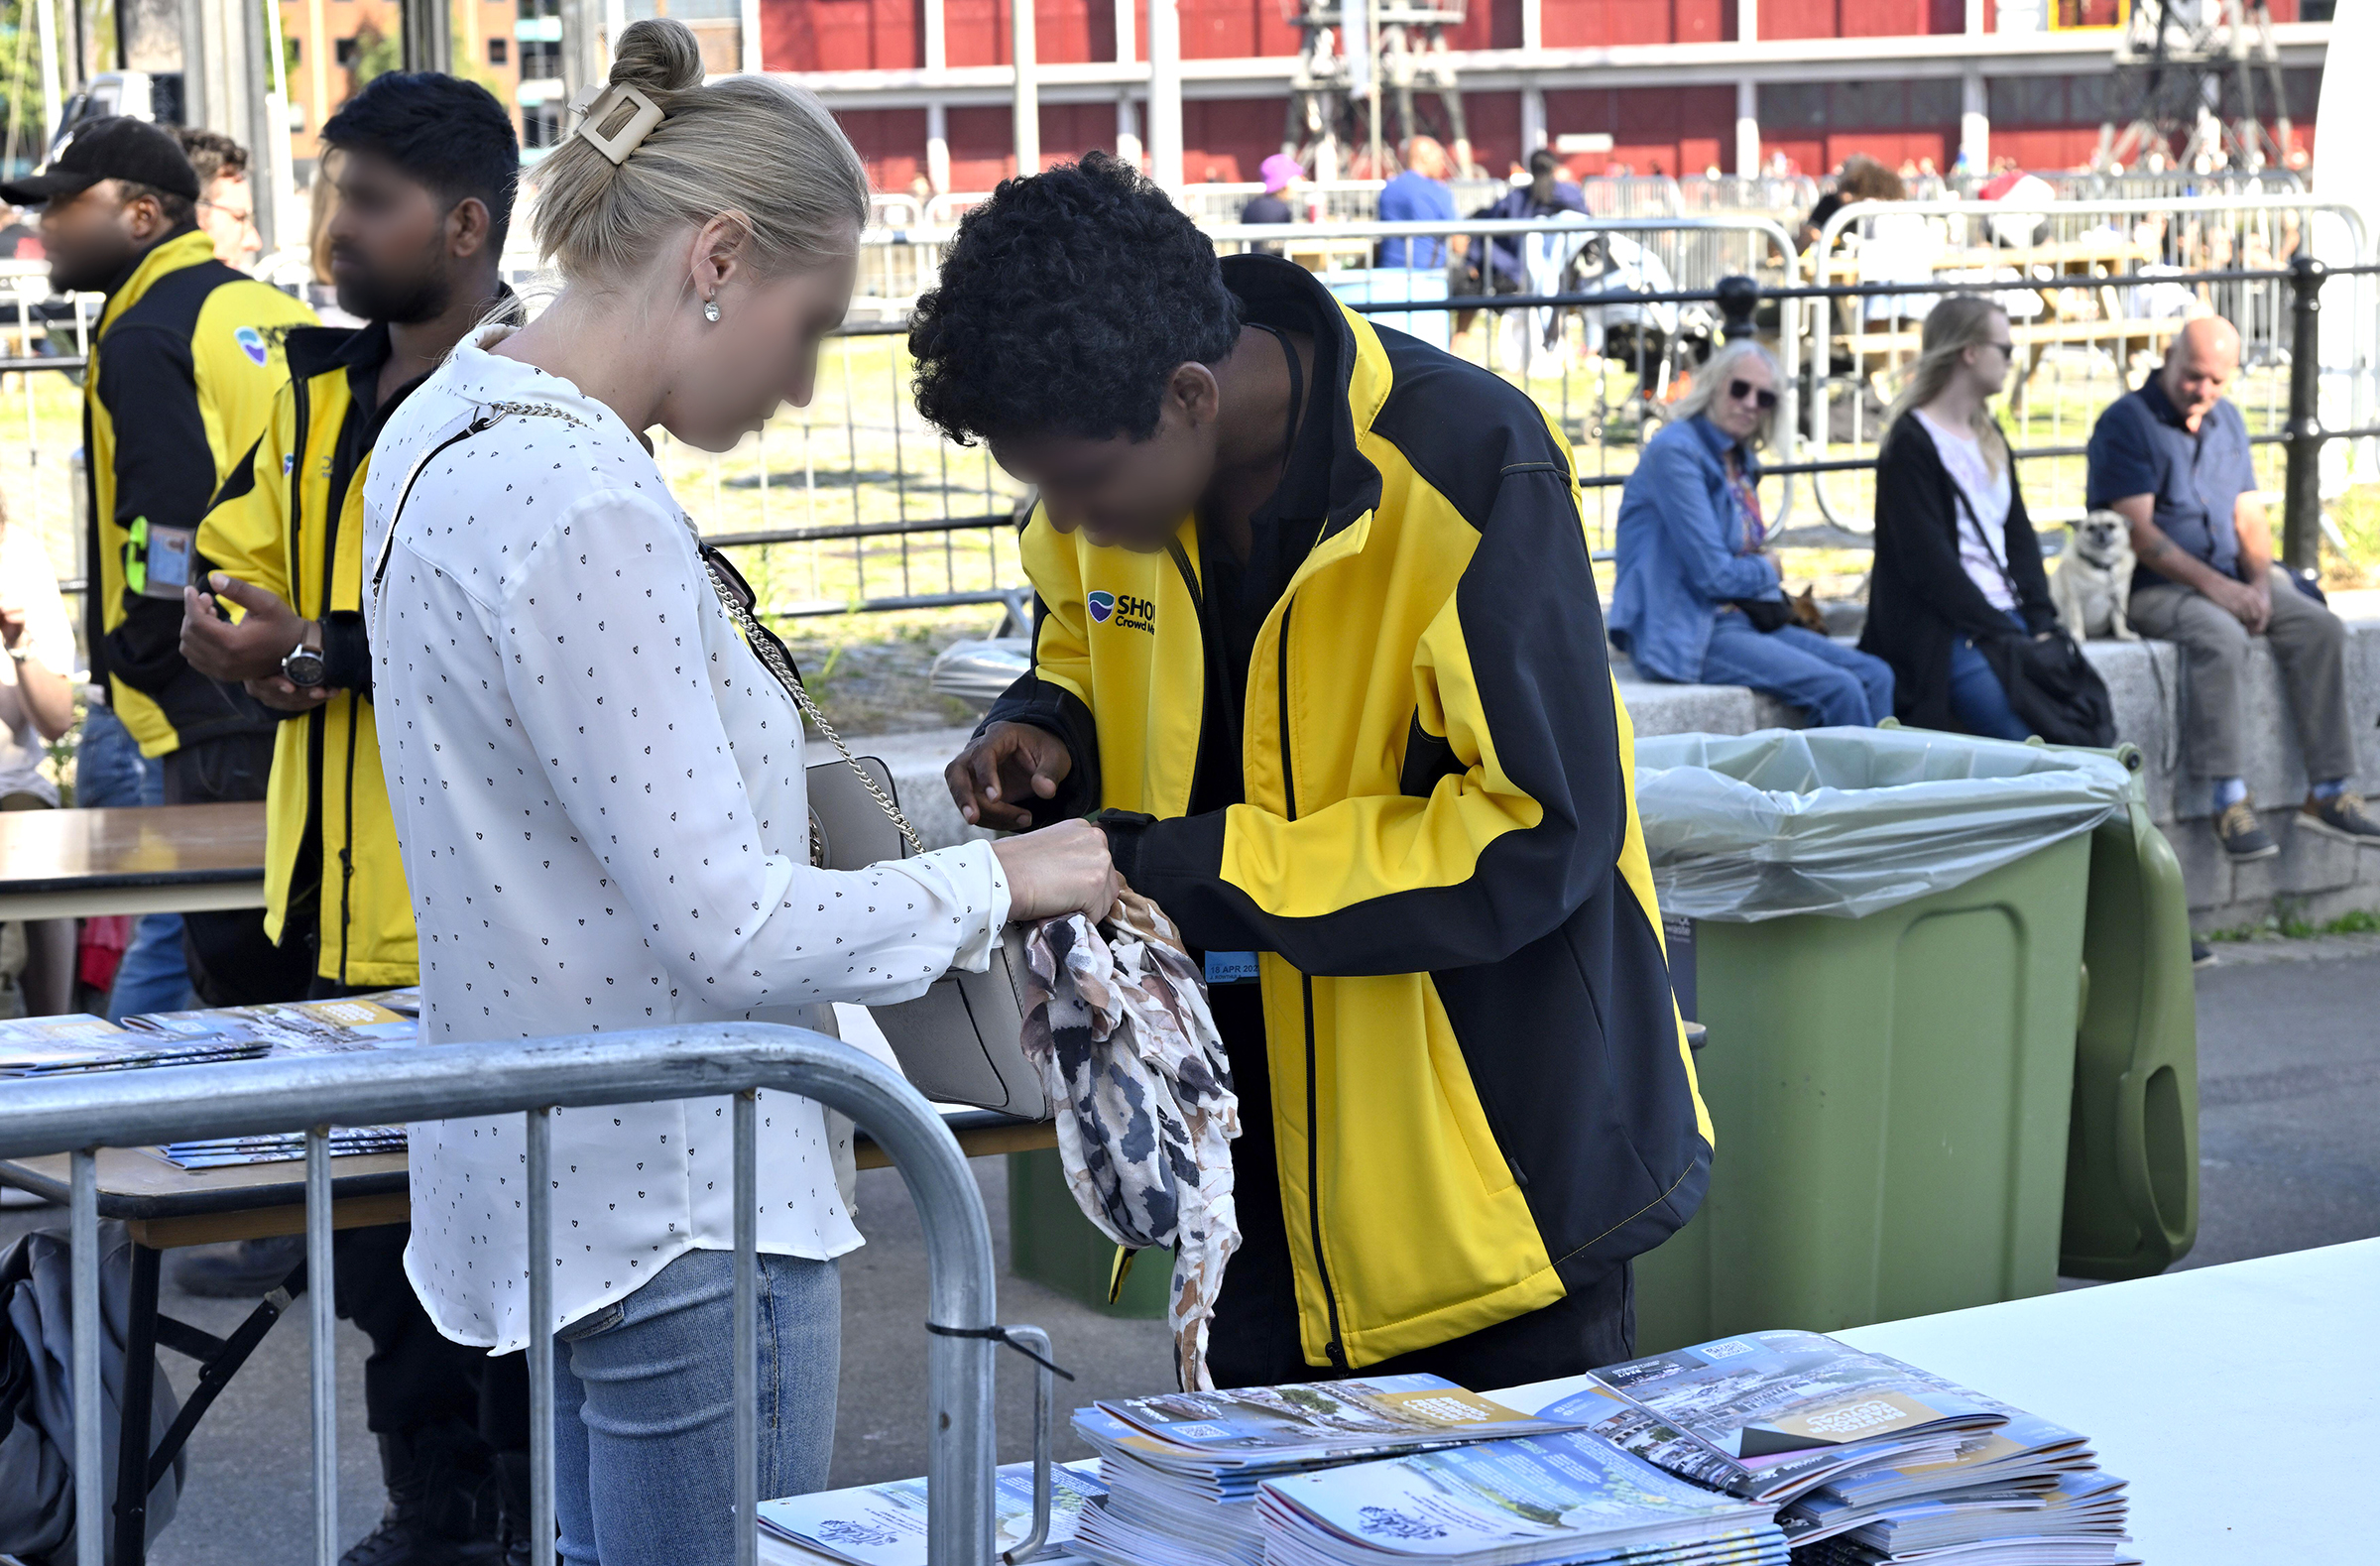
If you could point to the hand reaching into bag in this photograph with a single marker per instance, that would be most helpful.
(1057, 871)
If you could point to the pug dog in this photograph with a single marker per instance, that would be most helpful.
(2092, 588)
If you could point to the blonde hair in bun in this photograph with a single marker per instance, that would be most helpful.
(765, 151)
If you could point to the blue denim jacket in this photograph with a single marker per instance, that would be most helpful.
(1677, 546)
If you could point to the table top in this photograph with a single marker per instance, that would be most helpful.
(130, 846)
(2238, 1400)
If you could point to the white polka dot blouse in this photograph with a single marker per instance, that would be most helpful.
(599, 794)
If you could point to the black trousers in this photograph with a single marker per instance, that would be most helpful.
(415, 1378)
(1253, 1339)
(232, 963)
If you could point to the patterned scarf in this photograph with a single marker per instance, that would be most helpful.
(1116, 1021)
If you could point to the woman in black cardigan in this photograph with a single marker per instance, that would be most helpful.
(1959, 573)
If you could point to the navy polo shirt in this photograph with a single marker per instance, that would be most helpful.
(2140, 447)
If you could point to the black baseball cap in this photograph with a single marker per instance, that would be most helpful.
(116, 146)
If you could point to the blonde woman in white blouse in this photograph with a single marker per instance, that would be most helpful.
(599, 791)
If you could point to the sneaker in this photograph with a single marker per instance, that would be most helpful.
(2343, 816)
(2243, 836)
(2201, 955)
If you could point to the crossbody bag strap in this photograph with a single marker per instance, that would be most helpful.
(774, 658)
(487, 418)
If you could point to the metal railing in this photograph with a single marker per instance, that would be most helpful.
(2063, 269)
(78, 1114)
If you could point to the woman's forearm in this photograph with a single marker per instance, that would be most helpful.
(47, 697)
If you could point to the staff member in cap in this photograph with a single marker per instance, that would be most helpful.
(182, 370)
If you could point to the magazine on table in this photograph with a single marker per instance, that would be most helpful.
(1772, 1415)
(1267, 1427)
(36, 1046)
(293, 1028)
(2070, 1508)
(1568, 1497)
(280, 1148)
(885, 1525)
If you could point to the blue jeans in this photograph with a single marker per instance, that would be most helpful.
(1838, 686)
(109, 770)
(1978, 704)
(644, 1423)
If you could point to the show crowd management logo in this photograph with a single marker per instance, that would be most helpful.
(1125, 612)
(252, 343)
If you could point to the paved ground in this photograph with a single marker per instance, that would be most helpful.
(2289, 1073)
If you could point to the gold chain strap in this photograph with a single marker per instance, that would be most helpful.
(775, 661)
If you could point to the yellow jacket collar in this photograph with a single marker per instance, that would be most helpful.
(171, 255)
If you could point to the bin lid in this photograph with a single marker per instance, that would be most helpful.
(1850, 821)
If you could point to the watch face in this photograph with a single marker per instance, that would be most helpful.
(302, 668)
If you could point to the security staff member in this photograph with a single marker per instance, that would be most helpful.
(426, 174)
(1317, 625)
(183, 366)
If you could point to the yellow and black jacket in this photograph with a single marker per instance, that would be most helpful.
(1480, 1088)
(290, 519)
(183, 366)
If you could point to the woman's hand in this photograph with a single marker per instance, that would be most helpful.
(1057, 871)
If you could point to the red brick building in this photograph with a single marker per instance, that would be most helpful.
(1679, 86)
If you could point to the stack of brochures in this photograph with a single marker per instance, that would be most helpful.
(293, 1028)
(42, 1047)
(885, 1525)
(1871, 1460)
(1183, 1471)
(1571, 1497)
(223, 1151)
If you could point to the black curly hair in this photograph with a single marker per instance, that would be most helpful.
(1065, 303)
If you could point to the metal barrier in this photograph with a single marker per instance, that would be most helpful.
(80, 1114)
(2168, 257)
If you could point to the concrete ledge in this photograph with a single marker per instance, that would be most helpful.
(2317, 875)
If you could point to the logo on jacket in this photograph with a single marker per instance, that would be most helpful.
(1128, 612)
(252, 343)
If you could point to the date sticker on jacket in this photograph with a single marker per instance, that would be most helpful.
(1231, 967)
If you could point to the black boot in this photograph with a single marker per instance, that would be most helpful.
(441, 1510)
(512, 1499)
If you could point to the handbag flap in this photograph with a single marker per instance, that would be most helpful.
(963, 1041)
(850, 829)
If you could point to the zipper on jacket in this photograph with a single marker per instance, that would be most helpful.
(1217, 673)
(347, 848)
(317, 721)
(1333, 1350)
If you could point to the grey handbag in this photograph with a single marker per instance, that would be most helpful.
(960, 1042)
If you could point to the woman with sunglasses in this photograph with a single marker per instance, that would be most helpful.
(1959, 571)
(1699, 597)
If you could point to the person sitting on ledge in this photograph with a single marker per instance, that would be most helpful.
(2172, 458)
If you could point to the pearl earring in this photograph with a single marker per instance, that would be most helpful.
(710, 310)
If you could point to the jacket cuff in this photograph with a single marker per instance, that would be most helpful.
(346, 653)
(1177, 863)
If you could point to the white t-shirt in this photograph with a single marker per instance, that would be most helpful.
(1983, 553)
(29, 586)
(599, 794)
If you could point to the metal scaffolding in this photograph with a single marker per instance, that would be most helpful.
(1353, 52)
(2201, 75)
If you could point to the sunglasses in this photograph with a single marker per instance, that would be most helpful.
(1739, 390)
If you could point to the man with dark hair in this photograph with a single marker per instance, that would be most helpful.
(1316, 624)
(426, 189)
(183, 365)
(226, 200)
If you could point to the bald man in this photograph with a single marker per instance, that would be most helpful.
(2172, 459)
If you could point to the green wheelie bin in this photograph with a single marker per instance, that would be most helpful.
(1947, 1055)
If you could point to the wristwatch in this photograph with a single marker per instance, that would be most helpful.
(301, 665)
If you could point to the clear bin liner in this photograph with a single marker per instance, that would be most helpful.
(1850, 821)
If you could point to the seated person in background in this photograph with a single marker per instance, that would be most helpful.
(1501, 268)
(1418, 195)
(1700, 598)
(1957, 569)
(1861, 179)
(1279, 171)
(37, 705)
(2172, 459)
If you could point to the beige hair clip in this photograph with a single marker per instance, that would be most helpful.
(597, 107)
